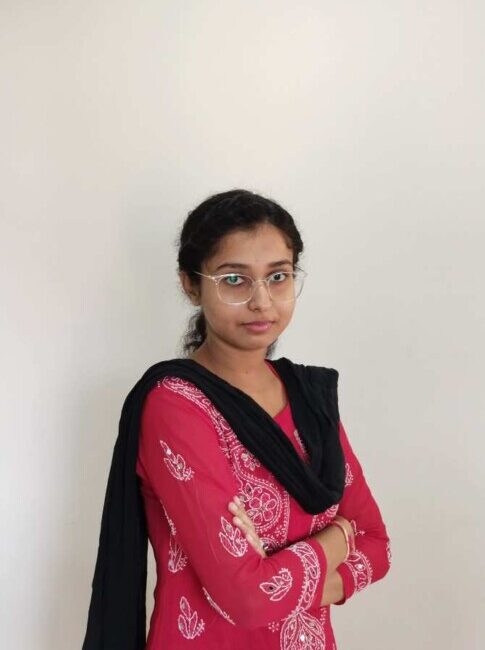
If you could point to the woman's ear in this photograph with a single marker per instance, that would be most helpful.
(189, 289)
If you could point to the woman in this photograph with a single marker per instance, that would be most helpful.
(255, 505)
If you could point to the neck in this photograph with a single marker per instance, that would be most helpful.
(242, 366)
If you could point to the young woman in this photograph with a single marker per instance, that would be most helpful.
(237, 467)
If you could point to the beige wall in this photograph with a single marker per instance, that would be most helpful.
(365, 119)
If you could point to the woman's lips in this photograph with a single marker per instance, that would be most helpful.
(258, 326)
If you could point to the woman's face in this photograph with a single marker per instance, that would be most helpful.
(250, 253)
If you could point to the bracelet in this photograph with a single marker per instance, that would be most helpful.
(346, 535)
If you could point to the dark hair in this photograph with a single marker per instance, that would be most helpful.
(204, 227)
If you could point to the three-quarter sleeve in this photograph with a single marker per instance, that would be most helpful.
(181, 457)
(372, 557)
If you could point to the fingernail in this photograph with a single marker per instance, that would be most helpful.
(232, 507)
(237, 521)
(237, 500)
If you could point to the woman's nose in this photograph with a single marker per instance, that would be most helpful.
(261, 293)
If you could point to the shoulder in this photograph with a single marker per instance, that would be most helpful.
(173, 397)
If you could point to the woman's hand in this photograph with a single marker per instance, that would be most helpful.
(244, 523)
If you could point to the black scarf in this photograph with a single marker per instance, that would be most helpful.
(117, 612)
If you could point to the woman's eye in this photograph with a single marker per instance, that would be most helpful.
(231, 279)
(279, 276)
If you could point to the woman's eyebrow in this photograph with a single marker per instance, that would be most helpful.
(240, 265)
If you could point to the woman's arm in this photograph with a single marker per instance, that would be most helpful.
(372, 557)
(330, 538)
(359, 511)
(181, 459)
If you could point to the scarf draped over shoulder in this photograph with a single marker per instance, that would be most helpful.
(117, 611)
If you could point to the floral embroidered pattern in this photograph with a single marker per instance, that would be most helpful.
(188, 621)
(311, 568)
(268, 503)
(349, 477)
(323, 518)
(260, 506)
(176, 464)
(170, 522)
(361, 569)
(279, 585)
(177, 559)
(232, 539)
(216, 606)
(301, 630)
(274, 626)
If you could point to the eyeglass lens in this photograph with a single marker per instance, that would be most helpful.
(283, 286)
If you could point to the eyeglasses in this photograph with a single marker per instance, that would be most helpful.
(237, 289)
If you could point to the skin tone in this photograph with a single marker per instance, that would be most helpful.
(237, 354)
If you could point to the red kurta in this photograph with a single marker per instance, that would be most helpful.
(214, 591)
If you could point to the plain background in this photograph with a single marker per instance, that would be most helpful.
(365, 120)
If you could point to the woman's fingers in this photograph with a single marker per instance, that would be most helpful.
(256, 544)
(244, 523)
(241, 517)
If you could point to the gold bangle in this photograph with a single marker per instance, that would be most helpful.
(346, 535)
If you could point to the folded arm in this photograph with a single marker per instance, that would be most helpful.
(180, 456)
(372, 557)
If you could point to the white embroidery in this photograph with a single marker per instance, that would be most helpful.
(301, 630)
(232, 539)
(274, 626)
(349, 477)
(188, 621)
(265, 500)
(270, 504)
(279, 585)
(216, 606)
(296, 433)
(249, 460)
(361, 569)
(323, 518)
(176, 464)
(388, 551)
(170, 522)
(260, 505)
(177, 559)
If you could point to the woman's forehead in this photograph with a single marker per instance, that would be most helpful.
(244, 250)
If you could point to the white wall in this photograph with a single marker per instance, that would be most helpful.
(365, 120)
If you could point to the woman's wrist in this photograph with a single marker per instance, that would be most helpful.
(346, 527)
(333, 590)
(334, 546)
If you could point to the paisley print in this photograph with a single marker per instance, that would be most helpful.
(279, 585)
(263, 499)
(301, 630)
(323, 518)
(361, 569)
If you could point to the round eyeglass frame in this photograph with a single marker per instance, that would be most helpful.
(266, 280)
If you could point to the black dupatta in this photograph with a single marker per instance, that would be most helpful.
(117, 611)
